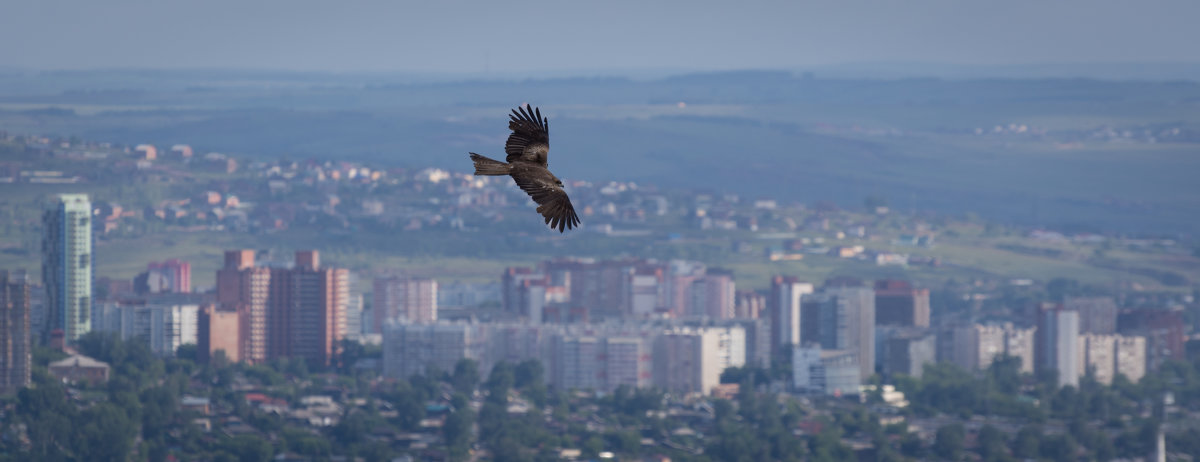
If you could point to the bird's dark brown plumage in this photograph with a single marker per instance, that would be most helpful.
(527, 148)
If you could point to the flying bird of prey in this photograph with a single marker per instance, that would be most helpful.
(527, 147)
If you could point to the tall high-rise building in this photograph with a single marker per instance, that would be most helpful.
(679, 299)
(897, 303)
(404, 299)
(285, 312)
(245, 289)
(39, 315)
(758, 341)
(784, 306)
(514, 288)
(308, 309)
(15, 334)
(1097, 315)
(713, 295)
(67, 265)
(354, 315)
(842, 318)
(1057, 344)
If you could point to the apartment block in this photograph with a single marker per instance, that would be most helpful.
(1097, 315)
(244, 288)
(410, 349)
(171, 276)
(404, 299)
(1057, 344)
(691, 360)
(1109, 355)
(907, 351)
(897, 303)
(784, 305)
(842, 317)
(15, 331)
(830, 372)
(1162, 329)
(67, 265)
(218, 330)
(163, 327)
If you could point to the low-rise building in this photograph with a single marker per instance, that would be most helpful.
(80, 368)
(830, 372)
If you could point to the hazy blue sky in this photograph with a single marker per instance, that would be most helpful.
(513, 36)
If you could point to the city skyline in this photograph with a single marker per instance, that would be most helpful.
(808, 230)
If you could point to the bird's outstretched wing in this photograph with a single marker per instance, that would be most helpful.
(530, 138)
(553, 203)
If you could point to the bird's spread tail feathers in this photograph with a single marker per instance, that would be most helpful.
(486, 166)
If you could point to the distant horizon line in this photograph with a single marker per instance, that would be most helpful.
(1102, 70)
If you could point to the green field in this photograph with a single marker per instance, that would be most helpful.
(962, 261)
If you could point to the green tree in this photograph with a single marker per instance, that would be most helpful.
(500, 381)
(528, 373)
(409, 403)
(351, 429)
(911, 446)
(993, 446)
(456, 431)
(188, 351)
(49, 420)
(465, 376)
(159, 405)
(623, 442)
(103, 432)
(1004, 374)
(249, 448)
(349, 353)
(948, 444)
(1027, 444)
(755, 375)
(305, 443)
(1058, 447)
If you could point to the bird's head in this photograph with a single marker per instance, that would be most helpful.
(559, 182)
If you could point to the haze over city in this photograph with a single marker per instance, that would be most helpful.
(691, 231)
